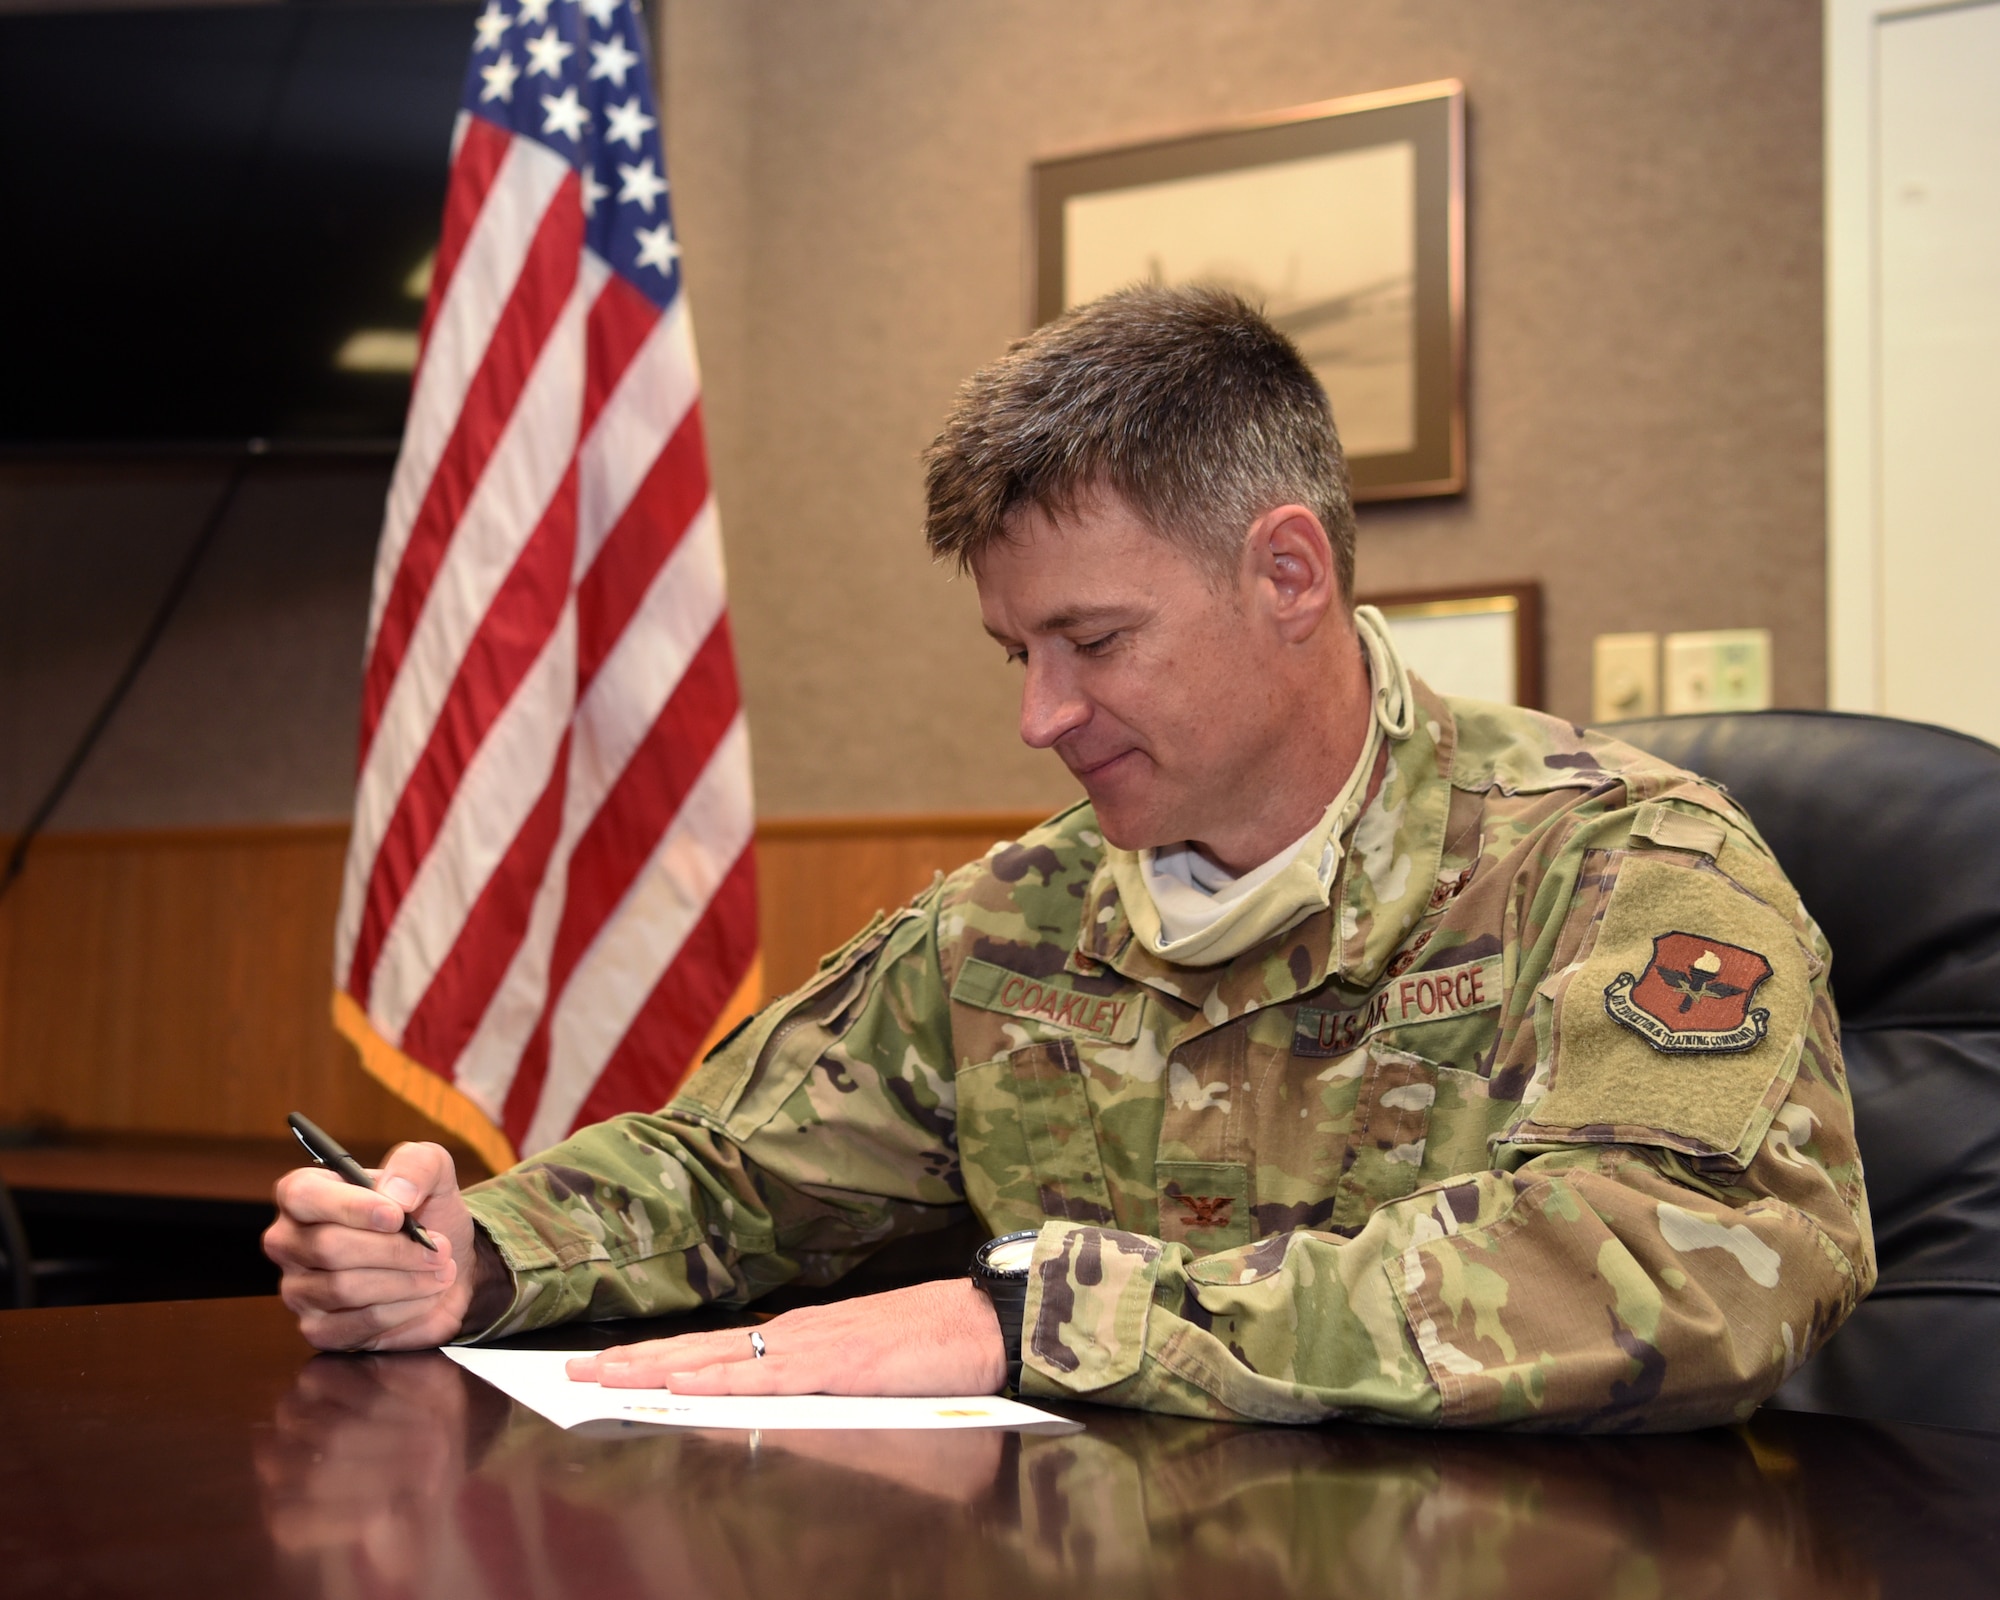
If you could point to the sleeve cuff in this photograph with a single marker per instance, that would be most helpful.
(497, 1289)
(1090, 1293)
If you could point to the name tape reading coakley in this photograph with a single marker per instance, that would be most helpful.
(1052, 1000)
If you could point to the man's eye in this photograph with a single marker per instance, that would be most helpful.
(1016, 656)
(1097, 646)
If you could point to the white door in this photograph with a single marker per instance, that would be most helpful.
(1938, 205)
(1913, 99)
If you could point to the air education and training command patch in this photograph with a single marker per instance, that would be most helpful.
(1693, 997)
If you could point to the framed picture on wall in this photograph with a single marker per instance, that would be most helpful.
(1344, 220)
(1483, 643)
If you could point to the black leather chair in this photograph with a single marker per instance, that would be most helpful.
(17, 1270)
(1891, 832)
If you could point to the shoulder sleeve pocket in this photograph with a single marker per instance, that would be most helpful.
(1679, 1024)
(744, 1081)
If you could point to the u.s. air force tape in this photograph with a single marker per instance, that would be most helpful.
(1415, 997)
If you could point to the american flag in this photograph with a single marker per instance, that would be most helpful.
(550, 900)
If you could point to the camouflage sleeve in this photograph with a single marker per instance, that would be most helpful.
(818, 1133)
(1671, 1220)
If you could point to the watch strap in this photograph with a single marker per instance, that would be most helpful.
(1010, 1302)
(1008, 1293)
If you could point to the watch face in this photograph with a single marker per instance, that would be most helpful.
(1010, 1255)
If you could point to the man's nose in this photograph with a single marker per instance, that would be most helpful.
(1051, 704)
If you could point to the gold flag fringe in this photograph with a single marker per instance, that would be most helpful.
(451, 1109)
(445, 1104)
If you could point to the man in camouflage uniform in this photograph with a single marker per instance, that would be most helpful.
(1508, 1092)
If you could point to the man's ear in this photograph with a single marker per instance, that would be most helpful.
(1291, 565)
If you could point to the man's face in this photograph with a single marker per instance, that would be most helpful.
(1149, 681)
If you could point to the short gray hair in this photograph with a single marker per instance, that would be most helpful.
(1185, 402)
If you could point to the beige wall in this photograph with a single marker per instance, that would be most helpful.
(1646, 393)
(247, 710)
(852, 183)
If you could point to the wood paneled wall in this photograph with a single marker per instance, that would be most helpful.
(177, 982)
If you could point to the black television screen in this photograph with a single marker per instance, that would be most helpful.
(220, 220)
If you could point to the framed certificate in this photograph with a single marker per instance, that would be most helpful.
(1484, 644)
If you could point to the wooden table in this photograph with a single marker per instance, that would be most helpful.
(199, 1449)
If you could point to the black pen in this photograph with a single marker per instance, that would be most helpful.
(320, 1146)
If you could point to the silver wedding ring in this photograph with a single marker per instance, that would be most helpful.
(756, 1344)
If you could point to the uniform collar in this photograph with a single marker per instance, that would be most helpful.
(1390, 863)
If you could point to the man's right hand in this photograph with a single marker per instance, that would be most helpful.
(352, 1277)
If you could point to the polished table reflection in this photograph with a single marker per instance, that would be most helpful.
(200, 1448)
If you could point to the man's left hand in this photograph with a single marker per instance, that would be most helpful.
(932, 1339)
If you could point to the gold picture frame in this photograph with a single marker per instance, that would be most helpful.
(1345, 220)
(1484, 643)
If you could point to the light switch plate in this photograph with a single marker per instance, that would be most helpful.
(1725, 670)
(1624, 676)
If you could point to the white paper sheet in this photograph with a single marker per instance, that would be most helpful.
(536, 1378)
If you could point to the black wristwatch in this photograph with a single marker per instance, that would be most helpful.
(1000, 1269)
